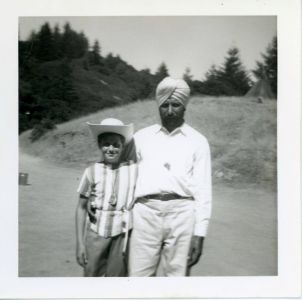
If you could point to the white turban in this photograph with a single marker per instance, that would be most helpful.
(172, 88)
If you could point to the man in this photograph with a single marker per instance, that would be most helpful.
(173, 192)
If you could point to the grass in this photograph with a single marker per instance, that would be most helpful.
(241, 133)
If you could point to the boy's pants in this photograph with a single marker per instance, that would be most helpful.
(162, 232)
(105, 256)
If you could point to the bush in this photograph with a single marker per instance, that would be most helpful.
(41, 128)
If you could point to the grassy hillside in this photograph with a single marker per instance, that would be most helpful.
(241, 133)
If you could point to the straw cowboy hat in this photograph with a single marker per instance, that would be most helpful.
(112, 125)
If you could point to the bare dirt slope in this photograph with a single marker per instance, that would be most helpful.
(242, 238)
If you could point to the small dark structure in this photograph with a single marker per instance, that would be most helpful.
(23, 178)
(261, 89)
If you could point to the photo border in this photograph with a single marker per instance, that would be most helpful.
(288, 281)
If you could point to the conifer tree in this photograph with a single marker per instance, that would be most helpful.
(83, 44)
(69, 42)
(268, 68)
(57, 41)
(230, 79)
(187, 76)
(161, 72)
(95, 56)
(45, 43)
(233, 74)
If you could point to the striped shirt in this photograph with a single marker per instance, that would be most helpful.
(111, 193)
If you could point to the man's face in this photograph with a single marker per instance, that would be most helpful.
(171, 110)
(111, 146)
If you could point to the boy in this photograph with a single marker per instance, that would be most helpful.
(107, 189)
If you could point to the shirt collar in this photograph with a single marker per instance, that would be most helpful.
(181, 129)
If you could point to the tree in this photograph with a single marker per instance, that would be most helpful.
(83, 44)
(231, 79)
(187, 76)
(213, 85)
(111, 61)
(71, 44)
(147, 84)
(268, 68)
(57, 41)
(161, 72)
(234, 75)
(95, 55)
(45, 44)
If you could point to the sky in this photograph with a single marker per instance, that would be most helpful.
(195, 42)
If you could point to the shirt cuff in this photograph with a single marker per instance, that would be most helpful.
(201, 229)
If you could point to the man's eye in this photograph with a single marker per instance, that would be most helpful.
(165, 105)
(116, 145)
(106, 144)
(176, 104)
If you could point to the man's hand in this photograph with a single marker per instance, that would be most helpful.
(195, 250)
(81, 255)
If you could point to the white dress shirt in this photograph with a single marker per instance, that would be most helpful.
(177, 162)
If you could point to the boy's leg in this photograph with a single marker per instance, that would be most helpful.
(116, 265)
(97, 248)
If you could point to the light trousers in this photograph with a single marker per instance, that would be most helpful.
(162, 232)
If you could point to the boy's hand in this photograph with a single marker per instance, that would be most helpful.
(91, 213)
(81, 255)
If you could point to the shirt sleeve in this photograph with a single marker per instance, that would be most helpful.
(84, 187)
(129, 153)
(202, 189)
(137, 142)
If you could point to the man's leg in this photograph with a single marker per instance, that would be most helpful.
(146, 238)
(179, 225)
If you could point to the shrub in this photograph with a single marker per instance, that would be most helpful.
(41, 128)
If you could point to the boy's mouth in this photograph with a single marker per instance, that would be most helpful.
(111, 155)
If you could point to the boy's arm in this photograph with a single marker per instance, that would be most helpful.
(81, 214)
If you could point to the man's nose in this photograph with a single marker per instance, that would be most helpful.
(111, 148)
(170, 110)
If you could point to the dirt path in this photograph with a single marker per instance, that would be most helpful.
(242, 238)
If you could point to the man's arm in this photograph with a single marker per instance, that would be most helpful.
(130, 151)
(81, 212)
(202, 183)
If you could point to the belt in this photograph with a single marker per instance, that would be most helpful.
(166, 197)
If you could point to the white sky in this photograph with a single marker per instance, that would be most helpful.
(180, 42)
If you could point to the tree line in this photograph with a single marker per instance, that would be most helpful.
(62, 76)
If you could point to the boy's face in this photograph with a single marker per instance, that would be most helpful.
(111, 146)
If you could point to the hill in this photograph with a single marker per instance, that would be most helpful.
(241, 133)
(66, 88)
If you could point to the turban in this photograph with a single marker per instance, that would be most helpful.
(172, 88)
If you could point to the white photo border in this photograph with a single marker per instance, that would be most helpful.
(288, 281)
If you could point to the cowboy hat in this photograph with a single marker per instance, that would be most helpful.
(112, 125)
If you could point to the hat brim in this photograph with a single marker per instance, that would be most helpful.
(124, 130)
